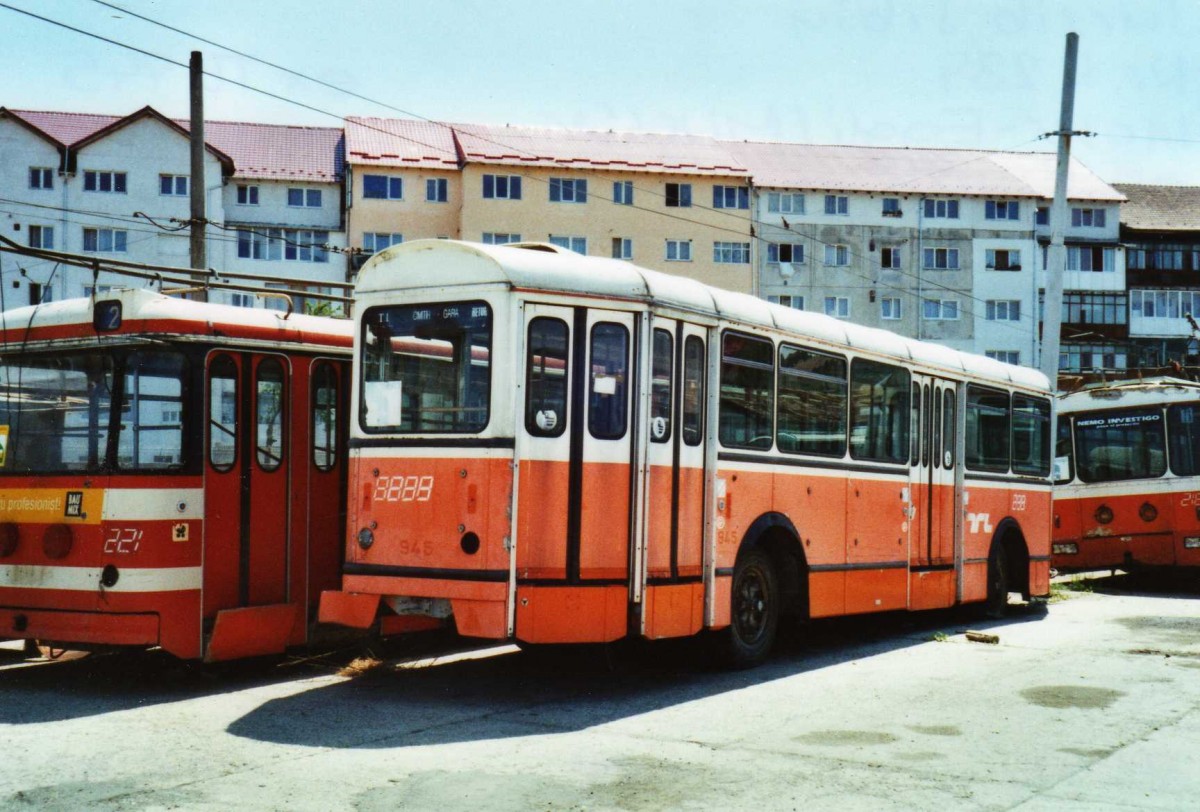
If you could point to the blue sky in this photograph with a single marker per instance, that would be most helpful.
(979, 74)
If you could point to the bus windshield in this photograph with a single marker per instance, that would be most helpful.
(427, 368)
(1120, 445)
(62, 412)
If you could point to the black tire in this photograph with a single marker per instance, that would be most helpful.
(996, 605)
(754, 611)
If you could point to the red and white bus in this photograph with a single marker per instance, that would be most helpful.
(555, 448)
(1128, 476)
(172, 473)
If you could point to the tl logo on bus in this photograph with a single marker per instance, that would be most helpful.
(980, 521)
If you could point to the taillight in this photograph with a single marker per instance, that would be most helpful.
(9, 536)
(57, 541)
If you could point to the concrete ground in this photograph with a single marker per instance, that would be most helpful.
(1094, 704)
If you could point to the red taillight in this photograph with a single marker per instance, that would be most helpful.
(57, 541)
(9, 536)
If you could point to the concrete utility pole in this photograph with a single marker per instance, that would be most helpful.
(1056, 264)
(198, 188)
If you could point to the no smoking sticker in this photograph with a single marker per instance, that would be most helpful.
(179, 532)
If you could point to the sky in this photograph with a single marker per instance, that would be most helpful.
(975, 74)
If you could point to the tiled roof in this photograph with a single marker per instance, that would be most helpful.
(400, 142)
(1160, 208)
(261, 151)
(914, 171)
(592, 149)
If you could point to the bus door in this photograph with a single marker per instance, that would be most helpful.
(246, 484)
(576, 482)
(935, 491)
(668, 575)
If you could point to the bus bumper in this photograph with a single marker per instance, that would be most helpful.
(93, 628)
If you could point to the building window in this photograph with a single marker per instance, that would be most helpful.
(1003, 259)
(1084, 357)
(378, 187)
(785, 203)
(794, 302)
(679, 250)
(837, 255)
(623, 192)
(436, 190)
(305, 246)
(247, 195)
(174, 185)
(622, 248)
(375, 241)
(1042, 216)
(731, 197)
(1004, 310)
(1164, 304)
(837, 204)
(304, 198)
(1002, 210)
(941, 309)
(96, 181)
(792, 252)
(1096, 258)
(1162, 258)
(499, 238)
(105, 240)
(568, 190)
(679, 195)
(942, 209)
(502, 187)
(731, 253)
(1006, 356)
(891, 207)
(576, 244)
(941, 259)
(890, 308)
(242, 299)
(41, 236)
(1087, 218)
(889, 258)
(287, 244)
(837, 306)
(41, 177)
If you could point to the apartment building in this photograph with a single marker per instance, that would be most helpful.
(1160, 230)
(118, 187)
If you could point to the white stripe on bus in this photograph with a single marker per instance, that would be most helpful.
(153, 504)
(87, 579)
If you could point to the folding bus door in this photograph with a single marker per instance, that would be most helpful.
(933, 489)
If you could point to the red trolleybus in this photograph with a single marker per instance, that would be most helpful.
(1128, 475)
(556, 448)
(171, 473)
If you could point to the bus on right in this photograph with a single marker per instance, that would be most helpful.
(1127, 476)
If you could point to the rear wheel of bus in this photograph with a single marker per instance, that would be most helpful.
(754, 611)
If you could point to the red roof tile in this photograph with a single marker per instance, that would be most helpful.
(400, 142)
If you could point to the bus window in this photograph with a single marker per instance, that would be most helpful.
(948, 424)
(660, 387)
(1183, 427)
(926, 425)
(879, 411)
(693, 390)
(325, 416)
(150, 437)
(222, 413)
(812, 402)
(747, 391)
(1120, 445)
(987, 429)
(914, 428)
(426, 368)
(610, 381)
(1064, 457)
(546, 378)
(1031, 435)
(269, 402)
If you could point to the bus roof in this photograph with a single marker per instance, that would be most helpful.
(534, 266)
(1129, 393)
(147, 312)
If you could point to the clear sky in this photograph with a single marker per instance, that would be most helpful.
(972, 74)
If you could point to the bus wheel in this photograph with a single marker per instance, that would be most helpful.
(754, 611)
(998, 582)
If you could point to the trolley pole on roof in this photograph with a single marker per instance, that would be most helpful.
(1056, 264)
(198, 226)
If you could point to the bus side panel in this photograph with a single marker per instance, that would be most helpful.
(1187, 525)
(604, 526)
(300, 498)
(875, 535)
(691, 522)
(542, 520)
(816, 506)
(658, 521)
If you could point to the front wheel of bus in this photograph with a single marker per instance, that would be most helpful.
(754, 611)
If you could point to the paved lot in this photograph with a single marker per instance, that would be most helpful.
(1093, 705)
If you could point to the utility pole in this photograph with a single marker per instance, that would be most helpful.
(1056, 264)
(198, 187)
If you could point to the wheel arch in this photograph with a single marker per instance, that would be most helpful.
(776, 534)
(1009, 538)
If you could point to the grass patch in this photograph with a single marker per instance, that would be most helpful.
(1062, 590)
(940, 637)
(359, 666)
